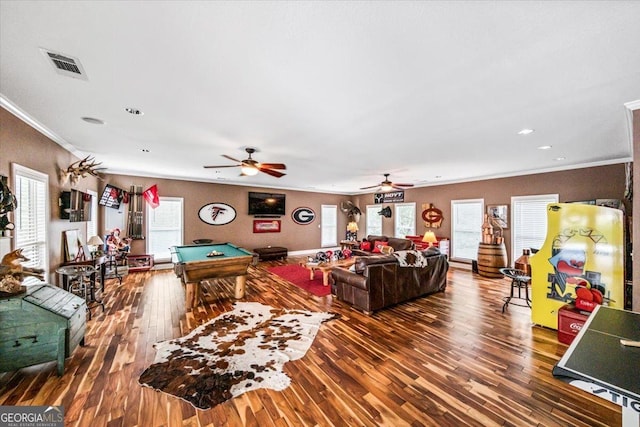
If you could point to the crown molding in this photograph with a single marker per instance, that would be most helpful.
(22, 115)
(633, 105)
(630, 107)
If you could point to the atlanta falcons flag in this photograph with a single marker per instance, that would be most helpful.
(151, 196)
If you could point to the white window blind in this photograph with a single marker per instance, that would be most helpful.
(329, 225)
(92, 224)
(405, 219)
(31, 216)
(466, 224)
(529, 219)
(374, 221)
(165, 227)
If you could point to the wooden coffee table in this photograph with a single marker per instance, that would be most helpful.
(326, 268)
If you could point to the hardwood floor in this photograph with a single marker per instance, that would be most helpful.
(449, 359)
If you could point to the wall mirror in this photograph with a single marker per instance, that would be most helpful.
(73, 249)
(75, 206)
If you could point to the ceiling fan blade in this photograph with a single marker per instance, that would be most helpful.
(221, 166)
(371, 186)
(273, 165)
(401, 185)
(271, 172)
(231, 158)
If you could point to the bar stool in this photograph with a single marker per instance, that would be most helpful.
(520, 282)
(80, 280)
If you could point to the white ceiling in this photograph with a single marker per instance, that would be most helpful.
(342, 92)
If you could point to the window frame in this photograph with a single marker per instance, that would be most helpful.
(516, 246)
(94, 217)
(149, 230)
(325, 227)
(454, 247)
(375, 217)
(398, 207)
(43, 216)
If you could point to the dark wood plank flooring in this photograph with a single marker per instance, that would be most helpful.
(449, 359)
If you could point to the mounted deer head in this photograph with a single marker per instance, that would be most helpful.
(80, 169)
(352, 211)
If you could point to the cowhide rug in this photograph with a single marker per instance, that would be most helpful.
(238, 351)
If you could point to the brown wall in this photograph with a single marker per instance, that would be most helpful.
(603, 182)
(22, 144)
(293, 236)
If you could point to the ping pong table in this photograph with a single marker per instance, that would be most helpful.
(598, 363)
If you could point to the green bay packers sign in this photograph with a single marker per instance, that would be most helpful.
(303, 215)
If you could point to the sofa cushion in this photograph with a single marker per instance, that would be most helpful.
(377, 245)
(432, 251)
(400, 244)
(361, 262)
(373, 238)
(365, 246)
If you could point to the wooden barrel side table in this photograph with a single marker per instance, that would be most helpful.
(491, 258)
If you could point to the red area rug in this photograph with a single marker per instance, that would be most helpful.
(299, 276)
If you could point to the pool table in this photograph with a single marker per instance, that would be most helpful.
(192, 265)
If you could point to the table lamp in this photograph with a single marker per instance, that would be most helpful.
(96, 242)
(352, 231)
(430, 238)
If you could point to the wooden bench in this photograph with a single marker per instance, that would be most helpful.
(271, 252)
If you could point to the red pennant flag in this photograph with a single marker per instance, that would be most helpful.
(151, 196)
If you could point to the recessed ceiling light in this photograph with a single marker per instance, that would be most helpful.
(134, 111)
(145, 150)
(526, 132)
(544, 147)
(560, 159)
(438, 176)
(93, 120)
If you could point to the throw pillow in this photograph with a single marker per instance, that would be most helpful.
(377, 245)
(365, 246)
(386, 250)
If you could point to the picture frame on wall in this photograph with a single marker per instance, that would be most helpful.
(266, 226)
(499, 215)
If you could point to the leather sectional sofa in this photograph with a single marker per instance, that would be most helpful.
(379, 281)
(397, 244)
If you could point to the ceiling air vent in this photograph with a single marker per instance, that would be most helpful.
(65, 64)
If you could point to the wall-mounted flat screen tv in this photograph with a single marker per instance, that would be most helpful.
(266, 203)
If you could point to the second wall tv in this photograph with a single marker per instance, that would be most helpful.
(266, 203)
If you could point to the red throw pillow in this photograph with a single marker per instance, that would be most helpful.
(377, 245)
(365, 246)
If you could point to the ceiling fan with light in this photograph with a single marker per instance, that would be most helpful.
(387, 185)
(250, 167)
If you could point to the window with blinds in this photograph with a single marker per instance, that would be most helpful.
(374, 221)
(466, 228)
(165, 227)
(329, 225)
(529, 219)
(404, 219)
(92, 224)
(30, 217)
